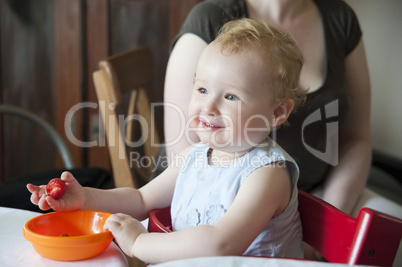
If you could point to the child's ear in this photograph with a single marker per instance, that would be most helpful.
(282, 112)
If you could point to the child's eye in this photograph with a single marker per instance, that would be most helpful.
(231, 97)
(203, 91)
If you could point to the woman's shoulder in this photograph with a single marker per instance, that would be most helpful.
(335, 9)
(216, 12)
(228, 7)
(341, 23)
(207, 17)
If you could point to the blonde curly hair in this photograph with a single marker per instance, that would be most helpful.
(278, 48)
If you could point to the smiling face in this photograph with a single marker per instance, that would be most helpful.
(232, 106)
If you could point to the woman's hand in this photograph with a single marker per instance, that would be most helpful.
(125, 230)
(74, 198)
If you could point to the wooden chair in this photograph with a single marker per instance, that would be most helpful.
(123, 78)
(372, 238)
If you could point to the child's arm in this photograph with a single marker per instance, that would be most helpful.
(265, 193)
(137, 203)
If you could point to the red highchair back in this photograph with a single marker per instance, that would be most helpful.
(372, 238)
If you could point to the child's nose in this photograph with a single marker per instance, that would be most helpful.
(211, 107)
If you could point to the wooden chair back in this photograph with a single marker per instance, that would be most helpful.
(371, 239)
(122, 84)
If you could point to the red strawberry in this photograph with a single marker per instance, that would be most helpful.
(56, 188)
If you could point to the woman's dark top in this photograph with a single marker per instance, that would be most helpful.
(312, 137)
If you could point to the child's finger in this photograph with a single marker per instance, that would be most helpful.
(71, 183)
(52, 203)
(35, 198)
(42, 204)
(112, 223)
(34, 188)
(67, 177)
(31, 188)
(35, 193)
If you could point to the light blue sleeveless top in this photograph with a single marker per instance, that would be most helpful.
(203, 193)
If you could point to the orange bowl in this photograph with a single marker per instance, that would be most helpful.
(70, 235)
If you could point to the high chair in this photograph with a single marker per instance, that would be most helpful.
(372, 238)
(123, 78)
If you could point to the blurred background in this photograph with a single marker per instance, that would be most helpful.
(381, 23)
(49, 49)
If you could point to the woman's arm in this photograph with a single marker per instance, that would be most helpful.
(178, 87)
(234, 232)
(346, 181)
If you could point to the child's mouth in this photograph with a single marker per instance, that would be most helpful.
(210, 127)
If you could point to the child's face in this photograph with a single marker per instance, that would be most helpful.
(231, 107)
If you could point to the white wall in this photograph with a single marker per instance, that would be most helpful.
(381, 21)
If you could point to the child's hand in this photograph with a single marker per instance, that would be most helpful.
(125, 230)
(74, 198)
